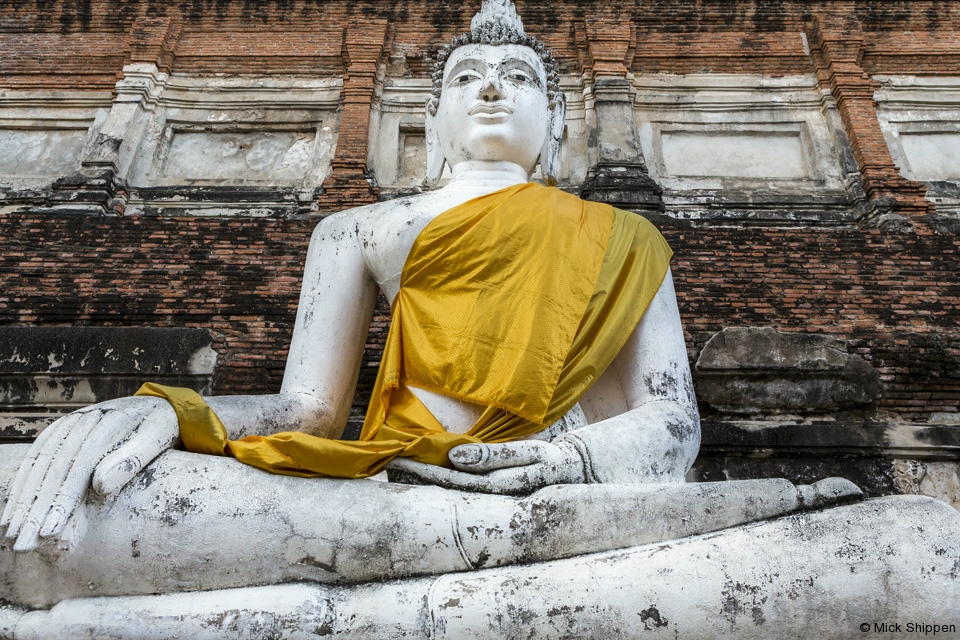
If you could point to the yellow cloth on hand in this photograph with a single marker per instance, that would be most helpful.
(517, 301)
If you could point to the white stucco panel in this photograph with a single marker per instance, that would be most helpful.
(271, 131)
(932, 156)
(736, 131)
(281, 156)
(48, 153)
(43, 134)
(748, 154)
(920, 119)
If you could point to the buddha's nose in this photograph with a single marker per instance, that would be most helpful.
(491, 89)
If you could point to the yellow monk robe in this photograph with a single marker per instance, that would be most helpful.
(516, 301)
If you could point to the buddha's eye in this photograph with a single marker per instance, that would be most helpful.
(464, 78)
(519, 77)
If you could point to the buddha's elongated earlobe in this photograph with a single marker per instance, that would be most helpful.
(434, 151)
(550, 154)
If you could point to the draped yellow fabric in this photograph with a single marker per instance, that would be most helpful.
(517, 301)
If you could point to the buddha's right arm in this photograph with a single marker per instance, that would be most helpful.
(337, 299)
(104, 446)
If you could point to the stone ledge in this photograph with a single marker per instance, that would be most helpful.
(766, 438)
(46, 371)
(882, 458)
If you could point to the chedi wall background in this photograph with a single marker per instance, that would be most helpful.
(162, 166)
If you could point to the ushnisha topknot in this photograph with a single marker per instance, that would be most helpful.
(496, 23)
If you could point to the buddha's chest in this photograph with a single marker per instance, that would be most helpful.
(386, 237)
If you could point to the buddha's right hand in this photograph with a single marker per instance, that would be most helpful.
(104, 446)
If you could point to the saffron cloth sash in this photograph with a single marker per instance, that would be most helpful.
(516, 301)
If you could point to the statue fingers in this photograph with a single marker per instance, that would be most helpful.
(158, 432)
(33, 469)
(511, 481)
(516, 480)
(427, 472)
(29, 461)
(483, 458)
(440, 476)
(111, 428)
(47, 486)
(555, 466)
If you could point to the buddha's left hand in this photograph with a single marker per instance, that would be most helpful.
(510, 467)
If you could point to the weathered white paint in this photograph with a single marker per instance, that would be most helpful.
(44, 134)
(932, 156)
(941, 480)
(281, 157)
(733, 155)
(40, 153)
(199, 523)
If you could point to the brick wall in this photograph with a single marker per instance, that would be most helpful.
(75, 42)
(893, 295)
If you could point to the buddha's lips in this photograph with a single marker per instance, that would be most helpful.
(490, 109)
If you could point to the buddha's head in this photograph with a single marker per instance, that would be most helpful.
(496, 96)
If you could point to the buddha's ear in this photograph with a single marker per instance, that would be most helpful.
(550, 154)
(434, 150)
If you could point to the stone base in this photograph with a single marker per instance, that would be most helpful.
(46, 372)
(882, 458)
(624, 185)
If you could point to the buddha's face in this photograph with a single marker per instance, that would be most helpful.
(493, 105)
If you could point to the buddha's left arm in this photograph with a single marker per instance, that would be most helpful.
(658, 437)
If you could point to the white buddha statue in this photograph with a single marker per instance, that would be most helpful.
(102, 512)
(494, 120)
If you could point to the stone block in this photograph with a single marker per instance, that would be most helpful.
(45, 371)
(880, 457)
(754, 370)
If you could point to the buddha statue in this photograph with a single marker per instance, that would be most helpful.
(548, 437)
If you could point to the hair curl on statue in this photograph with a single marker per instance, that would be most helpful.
(496, 33)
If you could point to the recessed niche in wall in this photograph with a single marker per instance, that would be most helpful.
(765, 154)
(253, 157)
(39, 155)
(413, 157)
(932, 156)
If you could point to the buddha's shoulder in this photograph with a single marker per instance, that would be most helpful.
(378, 216)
